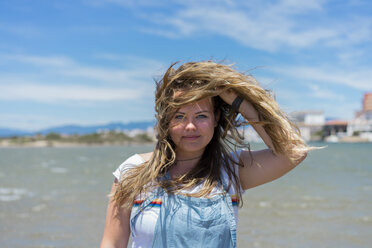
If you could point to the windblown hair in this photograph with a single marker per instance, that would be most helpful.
(198, 80)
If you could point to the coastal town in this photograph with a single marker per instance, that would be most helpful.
(314, 127)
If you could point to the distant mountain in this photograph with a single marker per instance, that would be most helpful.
(77, 129)
(8, 132)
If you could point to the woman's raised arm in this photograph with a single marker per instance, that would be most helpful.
(264, 165)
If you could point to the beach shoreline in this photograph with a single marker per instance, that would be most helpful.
(7, 143)
(61, 144)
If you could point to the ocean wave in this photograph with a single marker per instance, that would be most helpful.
(58, 170)
(13, 194)
(312, 198)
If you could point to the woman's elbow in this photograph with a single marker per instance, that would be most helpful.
(302, 156)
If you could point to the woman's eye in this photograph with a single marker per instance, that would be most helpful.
(178, 117)
(201, 116)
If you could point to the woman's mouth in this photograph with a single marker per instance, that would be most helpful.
(191, 137)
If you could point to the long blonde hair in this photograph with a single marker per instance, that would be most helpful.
(198, 80)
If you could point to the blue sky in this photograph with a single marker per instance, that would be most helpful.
(92, 62)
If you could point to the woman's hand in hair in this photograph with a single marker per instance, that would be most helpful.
(228, 96)
(247, 109)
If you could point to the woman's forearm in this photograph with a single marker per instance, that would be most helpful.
(247, 110)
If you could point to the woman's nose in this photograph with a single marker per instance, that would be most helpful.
(190, 125)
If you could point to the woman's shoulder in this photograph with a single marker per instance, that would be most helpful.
(138, 158)
(145, 156)
(131, 162)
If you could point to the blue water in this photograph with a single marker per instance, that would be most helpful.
(56, 197)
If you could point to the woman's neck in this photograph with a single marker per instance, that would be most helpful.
(189, 159)
(184, 165)
(185, 162)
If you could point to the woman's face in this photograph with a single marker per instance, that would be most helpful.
(192, 128)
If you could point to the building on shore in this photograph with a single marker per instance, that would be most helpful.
(334, 130)
(361, 125)
(310, 123)
(358, 129)
(367, 102)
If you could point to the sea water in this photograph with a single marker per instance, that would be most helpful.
(56, 197)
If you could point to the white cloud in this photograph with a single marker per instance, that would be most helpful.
(99, 73)
(30, 122)
(61, 79)
(322, 93)
(24, 30)
(51, 61)
(35, 122)
(349, 57)
(135, 4)
(358, 79)
(57, 93)
(136, 71)
(263, 25)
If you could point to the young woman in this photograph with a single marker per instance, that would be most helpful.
(186, 192)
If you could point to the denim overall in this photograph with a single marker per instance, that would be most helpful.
(190, 221)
